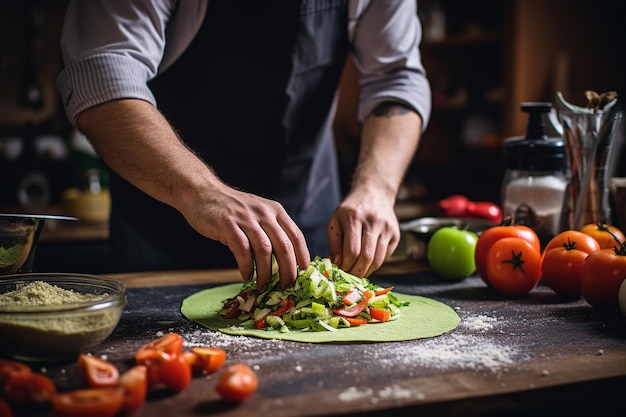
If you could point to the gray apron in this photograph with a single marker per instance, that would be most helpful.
(253, 95)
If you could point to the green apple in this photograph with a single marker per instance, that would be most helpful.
(450, 252)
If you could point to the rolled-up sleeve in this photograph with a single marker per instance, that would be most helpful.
(386, 51)
(111, 48)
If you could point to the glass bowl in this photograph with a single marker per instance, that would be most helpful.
(51, 317)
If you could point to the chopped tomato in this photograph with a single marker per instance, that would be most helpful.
(352, 297)
(171, 370)
(134, 382)
(285, 305)
(354, 311)
(5, 410)
(32, 388)
(96, 372)
(233, 303)
(9, 368)
(205, 360)
(260, 323)
(384, 290)
(237, 383)
(92, 402)
(380, 314)
(171, 343)
(356, 321)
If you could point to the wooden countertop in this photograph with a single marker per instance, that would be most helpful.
(508, 356)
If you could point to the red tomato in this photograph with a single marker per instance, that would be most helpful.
(205, 360)
(165, 362)
(172, 371)
(492, 235)
(513, 266)
(96, 372)
(5, 410)
(91, 402)
(603, 273)
(9, 368)
(562, 261)
(562, 270)
(582, 241)
(604, 238)
(134, 382)
(237, 383)
(171, 343)
(32, 388)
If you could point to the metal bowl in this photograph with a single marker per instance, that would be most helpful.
(50, 317)
(417, 232)
(18, 239)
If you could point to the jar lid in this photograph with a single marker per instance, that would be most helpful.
(535, 155)
(535, 151)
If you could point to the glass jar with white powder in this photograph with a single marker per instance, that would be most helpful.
(535, 184)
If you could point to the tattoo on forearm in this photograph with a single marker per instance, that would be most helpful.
(390, 108)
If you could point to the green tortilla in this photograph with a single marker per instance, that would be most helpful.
(422, 318)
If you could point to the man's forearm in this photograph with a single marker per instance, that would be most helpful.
(136, 141)
(388, 143)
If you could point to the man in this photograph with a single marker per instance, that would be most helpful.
(215, 119)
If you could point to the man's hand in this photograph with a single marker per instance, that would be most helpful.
(362, 233)
(254, 229)
(364, 230)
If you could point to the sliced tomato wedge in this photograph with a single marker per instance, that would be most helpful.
(233, 303)
(380, 314)
(205, 359)
(260, 323)
(171, 343)
(9, 368)
(284, 306)
(353, 311)
(97, 372)
(30, 388)
(173, 371)
(91, 402)
(134, 382)
(356, 321)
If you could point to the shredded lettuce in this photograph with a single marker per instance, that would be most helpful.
(315, 301)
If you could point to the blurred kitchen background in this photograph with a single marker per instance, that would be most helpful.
(483, 57)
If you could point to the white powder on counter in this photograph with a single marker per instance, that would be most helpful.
(472, 345)
(457, 351)
(392, 392)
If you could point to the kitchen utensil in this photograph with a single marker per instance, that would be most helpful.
(19, 234)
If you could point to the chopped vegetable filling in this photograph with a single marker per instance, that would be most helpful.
(323, 298)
